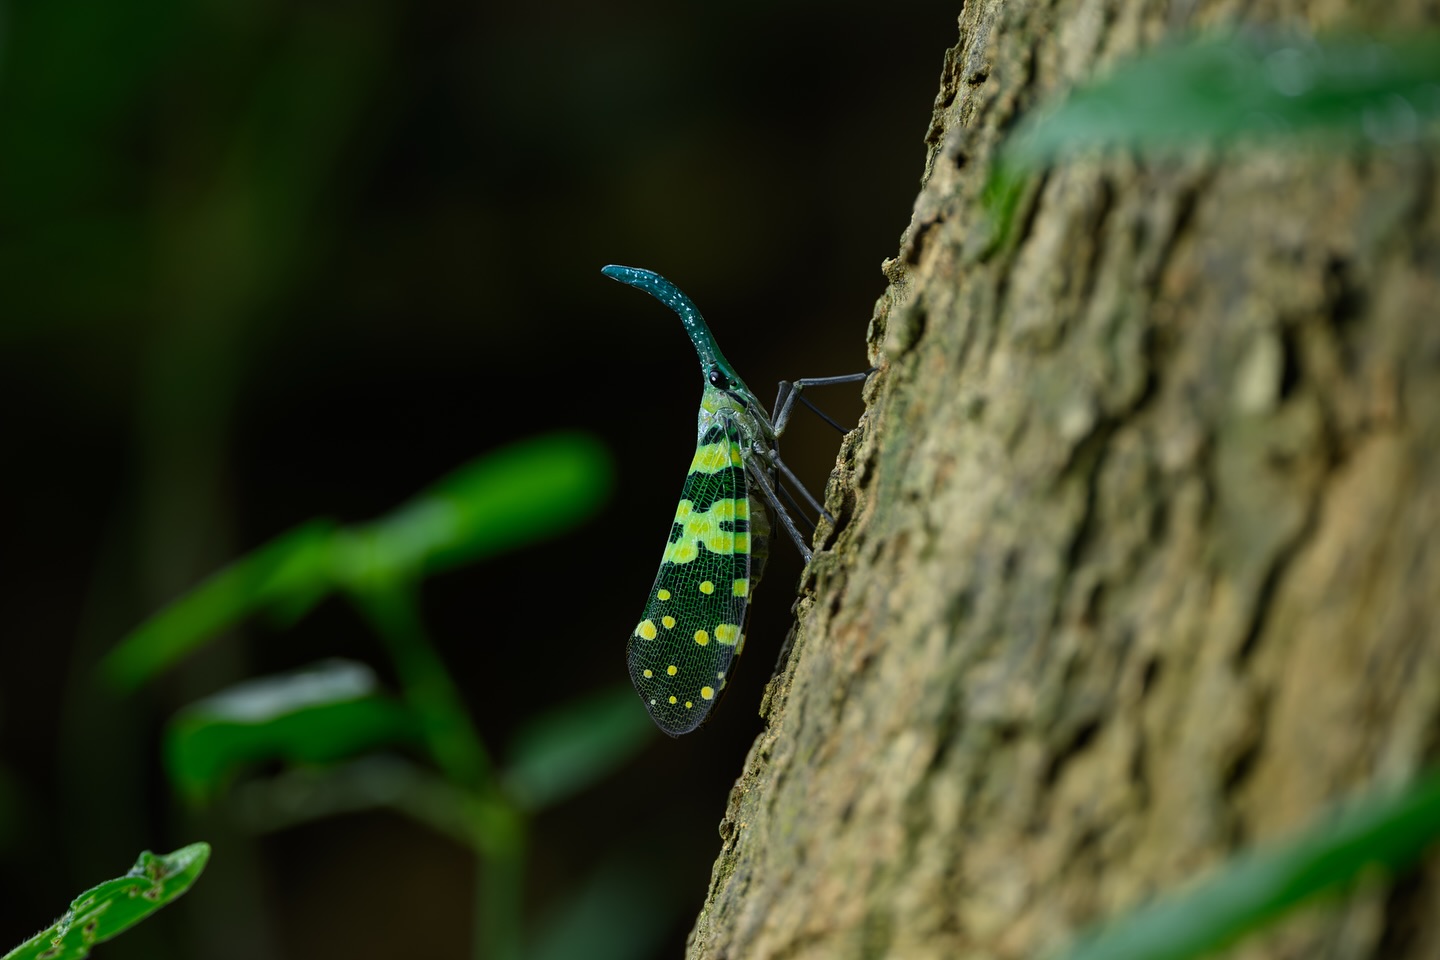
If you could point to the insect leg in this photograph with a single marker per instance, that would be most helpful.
(757, 473)
(790, 392)
(806, 525)
(788, 474)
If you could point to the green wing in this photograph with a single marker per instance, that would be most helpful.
(694, 621)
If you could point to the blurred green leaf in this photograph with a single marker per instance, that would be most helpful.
(316, 715)
(295, 564)
(514, 496)
(110, 908)
(371, 782)
(529, 490)
(621, 912)
(560, 753)
(1256, 84)
(1220, 89)
(1001, 199)
(1257, 888)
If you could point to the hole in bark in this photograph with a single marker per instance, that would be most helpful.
(1264, 598)
(1347, 304)
(917, 247)
(1289, 363)
(1347, 301)
(1139, 770)
(1407, 913)
(1079, 740)
(1094, 602)
(1242, 767)
(958, 610)
(1148, 675)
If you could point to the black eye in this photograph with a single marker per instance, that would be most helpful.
(718, 380)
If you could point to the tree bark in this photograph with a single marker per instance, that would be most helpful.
(1135, 562)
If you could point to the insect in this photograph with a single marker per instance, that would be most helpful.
(693, 626)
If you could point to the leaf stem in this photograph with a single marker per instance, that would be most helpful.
(391, 608)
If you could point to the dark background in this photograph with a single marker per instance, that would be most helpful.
(261, 262)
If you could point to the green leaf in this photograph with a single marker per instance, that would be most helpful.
(562, 752)
(1217, 90)
(514, 496)
(1001, 197)
(319, 714)
(1257, 888)
(296, 564)
(1250, 85)
(106, 910)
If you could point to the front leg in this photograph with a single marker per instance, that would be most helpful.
(790, 392)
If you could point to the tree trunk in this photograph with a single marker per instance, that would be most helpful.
(1136, 561)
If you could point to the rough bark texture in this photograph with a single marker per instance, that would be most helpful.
(1137, 557)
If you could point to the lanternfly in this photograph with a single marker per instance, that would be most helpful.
(693, 626)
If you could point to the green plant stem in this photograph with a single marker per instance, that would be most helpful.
(456, 746)
(496, 827)
(499, 881)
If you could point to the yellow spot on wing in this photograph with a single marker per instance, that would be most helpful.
(668, 621)
(713, 457)
(663, 594)
(741, 587)
(673, 700)
(707, 693)
(702, 638)
(727, 633)
(649, 673)
(671, 670)
(698, 528)
(707, 587)
(688, 704)
(646, 629)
